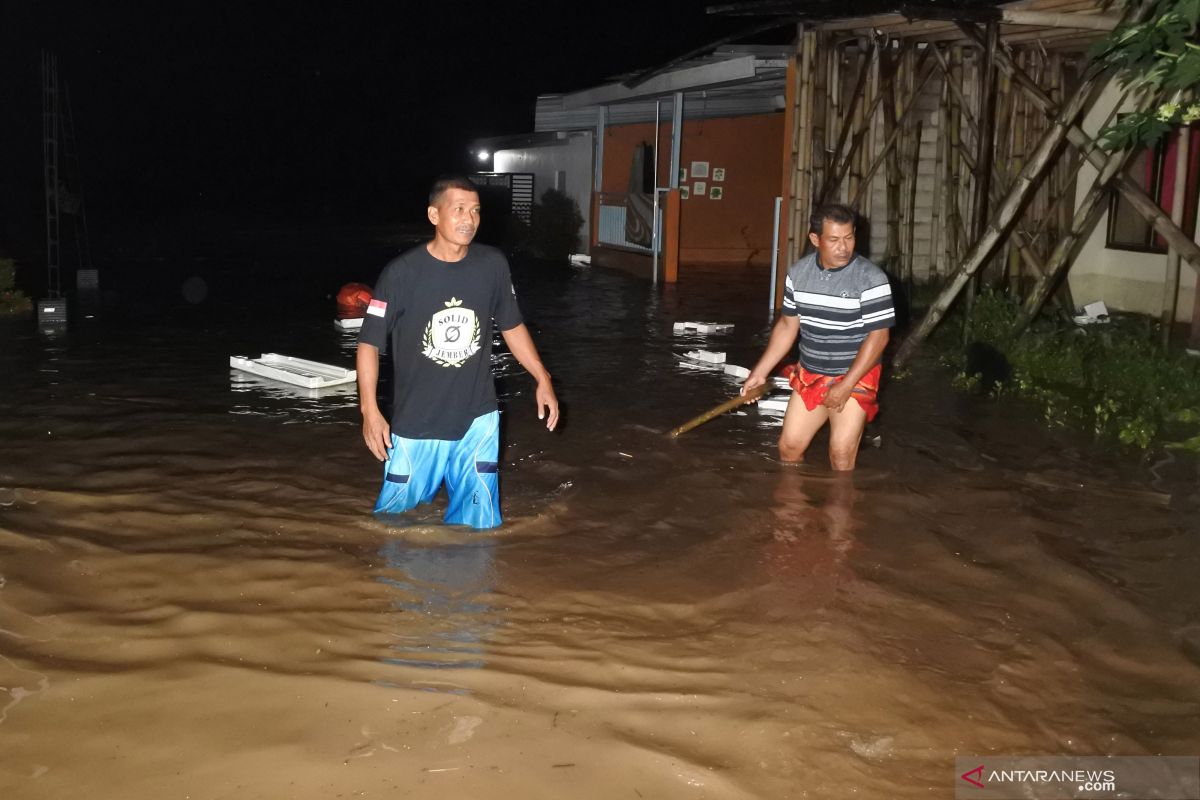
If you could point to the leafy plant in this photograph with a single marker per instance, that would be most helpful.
(12, 300)
(1112, 379)
(1159, 54)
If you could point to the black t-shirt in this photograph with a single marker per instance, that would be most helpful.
(437, 318)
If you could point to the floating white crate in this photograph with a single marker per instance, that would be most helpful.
(706, 356)
(736, 371)
(296, 371)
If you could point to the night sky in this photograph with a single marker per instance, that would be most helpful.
(241, 112)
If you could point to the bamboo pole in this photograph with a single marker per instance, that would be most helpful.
(820, 108)
(718, 410)
(936, 210)
(1026, 182)
(1171, 279)
(913, 166)
(955, 215)
(985, 72)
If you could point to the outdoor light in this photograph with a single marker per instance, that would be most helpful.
(483, 155)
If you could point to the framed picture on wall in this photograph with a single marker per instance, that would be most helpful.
(700, 188)
(683, 193)
(699, 169)
(716, 193)
(718, 174)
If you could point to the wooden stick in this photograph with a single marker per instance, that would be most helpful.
(718, 410)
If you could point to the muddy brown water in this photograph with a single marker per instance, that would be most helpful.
(195, 601)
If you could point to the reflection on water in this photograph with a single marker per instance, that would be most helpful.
(195, 600)
(445, 588)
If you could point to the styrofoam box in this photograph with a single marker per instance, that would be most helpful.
(296, 371)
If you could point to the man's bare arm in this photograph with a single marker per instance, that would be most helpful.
(520, 344)
(376, 431)
(783, 336)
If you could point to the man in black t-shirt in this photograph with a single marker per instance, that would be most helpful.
(434, 306)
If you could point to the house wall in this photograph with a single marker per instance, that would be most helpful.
(1125, 280)
(736, 229)
(571, 155)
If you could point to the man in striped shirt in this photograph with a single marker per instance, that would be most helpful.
(841, 306)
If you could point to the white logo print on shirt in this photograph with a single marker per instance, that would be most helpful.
(452, 335)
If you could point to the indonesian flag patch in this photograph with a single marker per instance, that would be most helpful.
(377, 308)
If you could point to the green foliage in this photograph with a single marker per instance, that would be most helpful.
(1161, 54)
(554, 234)
(12, 300)
(1111, 379)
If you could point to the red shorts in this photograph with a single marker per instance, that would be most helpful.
(812, 387)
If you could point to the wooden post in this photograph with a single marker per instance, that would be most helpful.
(671, 237)
(790, 140)
(983, 247)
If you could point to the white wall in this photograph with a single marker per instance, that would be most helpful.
(572, 155)
(1125, 280)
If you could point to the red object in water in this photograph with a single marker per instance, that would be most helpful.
(352, 299)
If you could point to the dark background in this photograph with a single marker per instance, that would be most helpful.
(221, 115)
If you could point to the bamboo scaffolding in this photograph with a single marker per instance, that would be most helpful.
(890, 142)
(1091, 151)
(985, 245)
(1084, 219)
(854, 107)
(862, 128)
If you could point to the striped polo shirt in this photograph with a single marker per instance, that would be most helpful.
(837, 309)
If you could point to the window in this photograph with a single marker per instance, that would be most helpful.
(1154, 170)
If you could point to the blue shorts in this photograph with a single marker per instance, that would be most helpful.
(416, 468)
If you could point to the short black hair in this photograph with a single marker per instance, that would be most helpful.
(450, 182)
(834, 212)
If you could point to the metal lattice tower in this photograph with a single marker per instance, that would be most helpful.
(62, 178)
(50, 136)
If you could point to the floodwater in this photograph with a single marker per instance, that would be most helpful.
(195, 601)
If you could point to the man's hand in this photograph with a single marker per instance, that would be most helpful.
(838, 395)
(752, 382)
(547, 404)
(377, 434)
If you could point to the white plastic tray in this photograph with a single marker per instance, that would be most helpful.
(296, 371)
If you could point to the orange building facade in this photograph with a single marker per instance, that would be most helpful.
(731, 222)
